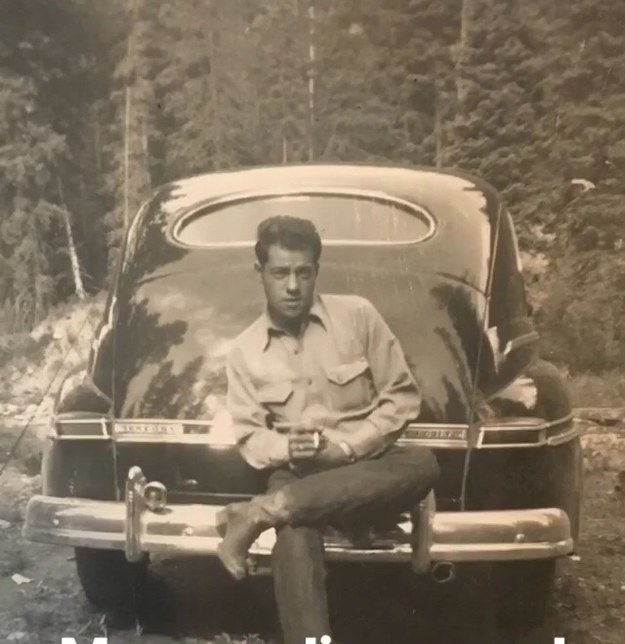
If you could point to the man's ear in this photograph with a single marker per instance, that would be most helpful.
(259, 269)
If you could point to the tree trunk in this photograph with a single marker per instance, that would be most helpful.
(438, 130)
(462, 57)
(73, 256)
(5, 266)
(97, 131)
(127, 157)
(214, 89)
(6, 273)
(311, 81)
(71, 245)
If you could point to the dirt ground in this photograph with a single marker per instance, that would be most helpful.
(46, 602)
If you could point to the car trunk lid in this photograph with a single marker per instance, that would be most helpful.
(174, 329)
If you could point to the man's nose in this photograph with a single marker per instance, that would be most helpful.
(292, 283)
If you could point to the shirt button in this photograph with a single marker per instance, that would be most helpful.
(296, 351)
(310, 381)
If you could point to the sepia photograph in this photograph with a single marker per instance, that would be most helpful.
(312, 322)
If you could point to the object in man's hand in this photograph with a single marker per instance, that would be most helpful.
(304, 442)
(348, 451)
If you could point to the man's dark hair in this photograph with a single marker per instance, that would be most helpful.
(292, 233)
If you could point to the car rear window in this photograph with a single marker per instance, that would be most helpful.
(340, 219)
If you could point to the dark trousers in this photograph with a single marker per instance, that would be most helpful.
(351, 495)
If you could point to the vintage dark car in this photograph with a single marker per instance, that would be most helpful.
(141, 455)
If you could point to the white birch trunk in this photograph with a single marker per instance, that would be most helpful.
(71, 245)
(73, 256)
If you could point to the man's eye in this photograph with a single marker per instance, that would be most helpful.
(305, 273)
(279, 274)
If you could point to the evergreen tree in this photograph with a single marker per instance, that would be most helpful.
(101, 102)
(44, 155)
(583, 317)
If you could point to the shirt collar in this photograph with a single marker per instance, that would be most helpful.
(317, 314)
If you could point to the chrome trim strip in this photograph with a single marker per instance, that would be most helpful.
(544, 437)
(521, 341)
(433, 443)
(559, 421)
(81, 437)
(502, 552)
(559, 439)
(181, 439)
(514, 428)
(94, 421)
(438, 425)
(165, 421)
(73, 420)
(459, 553)
(493, 446)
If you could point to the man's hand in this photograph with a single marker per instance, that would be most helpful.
(331, 456)
(327, 457)
(305, 443)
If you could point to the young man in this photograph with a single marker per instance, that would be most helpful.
(329, 373)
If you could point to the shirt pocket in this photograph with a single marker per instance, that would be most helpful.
(349, 385)
(274, 397)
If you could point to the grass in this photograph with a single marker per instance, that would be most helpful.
(603, 390)
(50, 610)
(13, 560)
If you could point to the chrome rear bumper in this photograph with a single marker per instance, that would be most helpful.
(191, 530)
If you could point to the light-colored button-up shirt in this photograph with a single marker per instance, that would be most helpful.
(345, 374)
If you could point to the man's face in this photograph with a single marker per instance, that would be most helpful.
(288, 278)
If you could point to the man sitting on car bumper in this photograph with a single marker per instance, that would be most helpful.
(328, 371)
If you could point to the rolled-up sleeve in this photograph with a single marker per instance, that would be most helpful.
(260, 446)
(398, 397)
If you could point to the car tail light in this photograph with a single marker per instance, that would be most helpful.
(512, 432)
(81, 425)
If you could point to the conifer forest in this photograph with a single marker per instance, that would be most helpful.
(101, 102)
